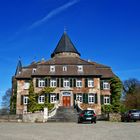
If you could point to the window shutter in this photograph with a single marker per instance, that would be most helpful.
(61, 82)
(70, 82)
(85, 98)
(86, 82)
(74, 99)
(95, 98)
(46, 84)
(74, 82)
(57, 82)
(49, 98)
(110, 99)
(37, 82)
(101, 85)
(102, 99)
(22, 99)
(57, 96)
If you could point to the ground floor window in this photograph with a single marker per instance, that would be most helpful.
(91, 98)
(53, 98)
(106, 99)
(25, 100)
(41, 99)
(79, 97)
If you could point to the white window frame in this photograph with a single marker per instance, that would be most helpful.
(79, 83)
(80, 68)
(53, 98)
(52, 68)
(64, 68)
(90, 83)
(106, 85)
(66, 83)
(25, 100)
(53, 82)
(91, 98)
(41, 99)
(26, 85)
(41, 83)
(79, 97)
(106, 100)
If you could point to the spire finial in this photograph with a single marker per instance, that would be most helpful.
(65, 29)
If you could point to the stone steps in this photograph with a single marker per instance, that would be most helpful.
(64, 114)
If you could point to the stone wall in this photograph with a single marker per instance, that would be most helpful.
(115, 117)
(34, 117)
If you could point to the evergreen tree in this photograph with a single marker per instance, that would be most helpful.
(116, 91)
(32, 103)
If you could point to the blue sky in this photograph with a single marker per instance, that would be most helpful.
(105, 31)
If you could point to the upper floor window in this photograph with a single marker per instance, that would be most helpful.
(80, 68)
(52, 68)
(106, 85)
(53, 98)
(66, 83)
(79, 97)
(41, 99)
(26, 85)
(78, 82)
(106, 99)
(25, 100)
(64, 68)
(91, 98)
(41, 83)
(90, 83)
(53, 83)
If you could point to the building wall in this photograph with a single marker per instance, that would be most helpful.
(96, 89)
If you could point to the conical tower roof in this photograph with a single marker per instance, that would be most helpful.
(65, 45)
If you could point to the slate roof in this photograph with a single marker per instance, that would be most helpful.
(89, 68)
(65, 45)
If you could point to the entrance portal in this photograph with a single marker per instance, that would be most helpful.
(66, 101)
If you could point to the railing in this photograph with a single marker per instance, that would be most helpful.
(52, 112)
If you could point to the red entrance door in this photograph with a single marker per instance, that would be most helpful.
(66, 101)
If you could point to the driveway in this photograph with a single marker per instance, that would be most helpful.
(70, 131)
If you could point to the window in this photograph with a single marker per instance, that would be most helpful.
(79, 97)
(78, 82)
(41, 99)
(53, 98)
(106, 85)
(41, 83)
(106, 99)
(26, 85)
(53, 83)
(80, 68)
(91, 98)
(52, 68)
(64, 68)
(66, 83)
(90, 83)
(25, 100)
(34, 70)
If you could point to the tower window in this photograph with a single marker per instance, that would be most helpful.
(52, 68)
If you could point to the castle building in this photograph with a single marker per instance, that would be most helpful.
(72, 77)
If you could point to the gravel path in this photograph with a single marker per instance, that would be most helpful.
(70, 131)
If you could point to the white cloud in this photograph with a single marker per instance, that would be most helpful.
(53, 13)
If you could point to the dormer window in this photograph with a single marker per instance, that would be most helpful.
(64, 68)
(34, 70)
(80, 68)
(52, 68)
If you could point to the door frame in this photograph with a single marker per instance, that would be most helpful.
(67, 93)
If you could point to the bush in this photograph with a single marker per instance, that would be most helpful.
(106, 108)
